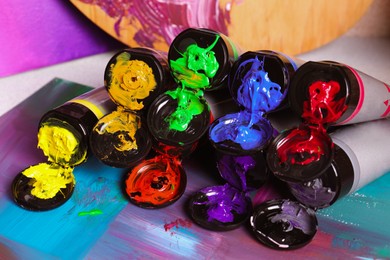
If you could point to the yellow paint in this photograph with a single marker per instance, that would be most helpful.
(61, 145)
(48, 179)
(91, 106)
(125, 124)
(131, 80)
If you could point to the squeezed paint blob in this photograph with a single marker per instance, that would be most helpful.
(130, 81)
(245, 172)
(257, 93)
(60, 142)
(322, 107)
(179, 117)
(240, 131)
(300, 154)
(43, 186)
(220, 207)
(156, 182)
(189, 106)
(283, 224)
(119, 139)
(196, 66)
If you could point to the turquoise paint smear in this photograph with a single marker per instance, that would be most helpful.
(360, 221)
(62, 232)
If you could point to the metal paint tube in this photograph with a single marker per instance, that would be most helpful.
(361, 156)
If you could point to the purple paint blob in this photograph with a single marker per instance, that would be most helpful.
(246, 172)
(220, 207)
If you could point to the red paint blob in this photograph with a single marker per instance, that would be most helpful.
(322, 106)
(156, 182)
(304, 145)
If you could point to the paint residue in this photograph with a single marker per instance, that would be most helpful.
(123, 125)
(178, 223)
(49, 179)
(93, 212)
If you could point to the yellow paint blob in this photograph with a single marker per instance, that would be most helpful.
(131, 80)
(60, 144)
(124, 125)
(48, 179)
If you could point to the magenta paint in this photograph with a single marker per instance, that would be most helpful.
(163, 20)
(366, 98)
(361, 156)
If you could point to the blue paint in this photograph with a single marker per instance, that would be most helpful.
(257, 92)
(242, 129)
(61, 232)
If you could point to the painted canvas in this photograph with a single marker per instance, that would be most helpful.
(98, 222)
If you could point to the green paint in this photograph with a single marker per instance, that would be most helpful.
(189, 106)
(197, 66)
(93, 212)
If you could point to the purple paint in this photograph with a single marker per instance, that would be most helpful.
(163, 20)
(246, 172)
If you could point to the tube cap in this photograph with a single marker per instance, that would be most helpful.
(220, 208)
(283, 224)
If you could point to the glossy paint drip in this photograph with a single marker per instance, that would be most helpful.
(196, 66)
(131, 81)
(257, 92)
(188, 106)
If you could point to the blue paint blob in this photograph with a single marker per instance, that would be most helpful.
(257, 93)
(242, 130)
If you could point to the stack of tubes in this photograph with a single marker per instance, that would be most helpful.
(295, 125)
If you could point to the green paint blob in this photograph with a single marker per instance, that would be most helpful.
(189, 106)
(197, 66)
(93, 212)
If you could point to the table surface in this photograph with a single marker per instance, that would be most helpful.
(356, 226)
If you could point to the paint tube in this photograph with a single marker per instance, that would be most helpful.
(240, 138)
(202, 58)
(357, 97)
(361, 156)
(63, 136)
(133, 79)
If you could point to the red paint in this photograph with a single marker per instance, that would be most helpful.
(322, 106)
(177, 223)
(156, 181)
(303, 145)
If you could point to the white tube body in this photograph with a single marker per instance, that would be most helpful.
(368, 146)
(374, 100)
